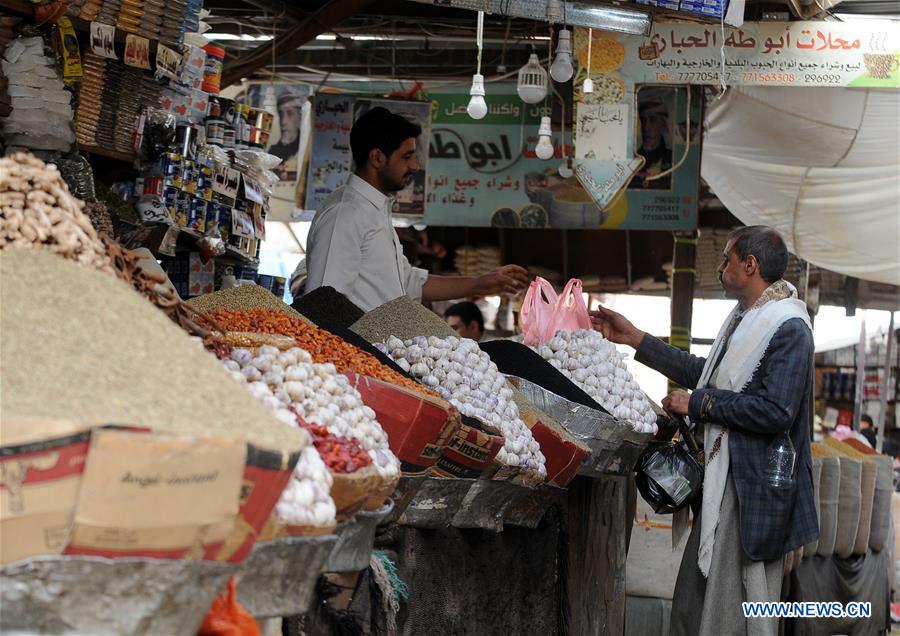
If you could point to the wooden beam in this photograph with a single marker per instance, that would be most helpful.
(329, 16)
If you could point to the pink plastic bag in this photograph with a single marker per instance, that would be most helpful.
(537, 310)
(544, 313)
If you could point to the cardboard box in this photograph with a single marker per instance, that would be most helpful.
(41, 463)
(563, 455)
(157, 496)
(470, 452)
(418, 426)
(266, 475)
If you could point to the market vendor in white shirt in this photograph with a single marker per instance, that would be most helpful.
(352, 244)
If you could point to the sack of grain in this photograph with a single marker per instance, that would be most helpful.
(810, 548)
(829, 493)
(881, 503)
(867, 492)
(849, 504)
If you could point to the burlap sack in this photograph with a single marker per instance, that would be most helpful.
(810, 548)
(867, 493)
(849, 504)
(829, 492)
(881, 503)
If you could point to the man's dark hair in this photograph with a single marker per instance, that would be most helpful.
(766, 245)
(382, 129)
(868, 419)
(467, 312)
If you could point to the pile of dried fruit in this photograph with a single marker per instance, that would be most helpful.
(323, 346)
(340, 454)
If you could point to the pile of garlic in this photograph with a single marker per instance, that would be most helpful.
(594, 364)
(320, 395)
(306, 500)
(465, 376)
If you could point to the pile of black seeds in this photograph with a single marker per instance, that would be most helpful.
(327, 307)
(513, 358)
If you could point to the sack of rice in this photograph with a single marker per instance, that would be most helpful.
(810, 548)
(829, 492)
(867, 492)
(849, 504)
(881, 503)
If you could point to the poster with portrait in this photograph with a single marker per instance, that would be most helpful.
(289, 140)
(654, 136)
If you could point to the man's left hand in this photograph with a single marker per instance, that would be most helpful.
(676, 403)
(509, 279)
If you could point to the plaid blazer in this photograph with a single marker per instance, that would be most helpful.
(777, 399)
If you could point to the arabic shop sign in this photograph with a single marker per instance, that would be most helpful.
(485, 173)
(854, 54)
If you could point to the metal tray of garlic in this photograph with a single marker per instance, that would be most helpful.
(615, 445)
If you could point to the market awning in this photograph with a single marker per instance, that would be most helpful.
(822, 165)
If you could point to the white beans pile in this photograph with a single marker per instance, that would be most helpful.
(306, 500)
(464, 375)
(320, 395)
(593, 363)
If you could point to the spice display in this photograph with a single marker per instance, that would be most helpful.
(465, 375)
(327, 307)
(242, 297)
(323, 346)
(79, 344)
(404, 318)
(37, 212)
(318, 394)
(41, 117)
(513, 358)
(340, 454)
(593, 363)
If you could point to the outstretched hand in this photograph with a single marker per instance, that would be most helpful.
(509, 279)
(616, 328)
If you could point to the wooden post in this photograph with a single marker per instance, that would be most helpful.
(886, 384)
(598, 524)
(683, 272)
(859, 394)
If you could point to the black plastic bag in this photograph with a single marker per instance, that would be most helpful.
(669, 475)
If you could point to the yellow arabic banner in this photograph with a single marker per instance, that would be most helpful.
(854, 54)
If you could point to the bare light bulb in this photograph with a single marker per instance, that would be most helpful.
(565, 171)
(544, 149)
(561, 70)
(477, 107)
(532, 84)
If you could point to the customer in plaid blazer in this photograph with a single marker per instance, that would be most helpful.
(738, 555)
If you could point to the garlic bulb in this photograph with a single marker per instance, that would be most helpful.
(595, 365)
(321, 396)
(465, 376)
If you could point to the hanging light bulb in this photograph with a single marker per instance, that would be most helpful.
(544, 149)
(561, 70)
(532, 84)
(565, 170)
(477, 108)
(588, 87)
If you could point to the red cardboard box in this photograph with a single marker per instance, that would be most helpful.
(418, 426)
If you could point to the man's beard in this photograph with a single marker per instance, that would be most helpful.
(394, 186)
